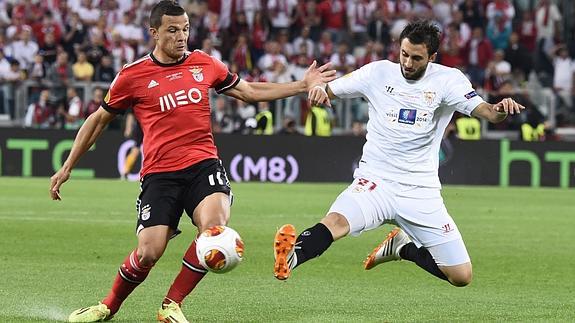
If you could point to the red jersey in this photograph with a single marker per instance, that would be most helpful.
(171, 103)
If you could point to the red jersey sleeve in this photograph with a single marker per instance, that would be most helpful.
(224, 80)
(119, 96)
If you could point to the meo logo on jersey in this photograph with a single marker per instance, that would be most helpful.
(407, 116)
(179, 98)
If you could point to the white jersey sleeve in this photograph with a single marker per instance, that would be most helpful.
(354, 84)
(460, 94)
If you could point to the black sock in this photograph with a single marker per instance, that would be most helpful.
(312, 242)
(422, 258)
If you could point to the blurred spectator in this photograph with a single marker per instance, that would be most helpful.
(4, 65)
(499, 24)
(122, 53)
(530, 115)
(4, 16)
(10, 80)
(264, 119)
(40, 114)
(289, 127)
(273, 63)
(82, 69)
(60, 74)
(45, 27)
(244, 113)
(37, 71)
(471, 13)
(74, 113)
(74, 36)
(25, 49)
(304, 38)
(333, 18)
(259, 35)
(88, 14)
(208, 48)
(249, 8)
(564, 69)
(528, 31)
(31, 12)
(358, 14)
(477, 54)
(500, 13)
(342, 61)
(326, 47)
(129, 31)
(95, 102)
(309, 16)
(441, 10)
(221, 118)
(373, 52)
(241, 55)
(518, 56)
(547, 20)
(451, 50)
(462, 26)
(286, 47)
(318, 122)
(378, 28)
(105, 72)
(498, 71)
(15, 29)
(95, 50)
(281, 14)
(49, 50)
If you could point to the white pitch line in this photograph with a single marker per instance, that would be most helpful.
(61, 219)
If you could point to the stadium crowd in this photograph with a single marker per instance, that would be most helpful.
(65, 52)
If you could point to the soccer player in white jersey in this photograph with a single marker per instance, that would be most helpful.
(410, 105)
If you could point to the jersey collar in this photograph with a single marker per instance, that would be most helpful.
(157, 62)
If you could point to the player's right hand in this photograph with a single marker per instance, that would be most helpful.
(56, 181)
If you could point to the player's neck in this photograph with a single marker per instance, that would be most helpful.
(162, 58)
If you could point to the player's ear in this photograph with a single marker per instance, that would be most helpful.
(433, 57)
(154, 33)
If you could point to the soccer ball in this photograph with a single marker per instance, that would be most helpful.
(219, 249)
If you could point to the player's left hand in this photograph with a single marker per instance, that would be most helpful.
(318, 75)
(508, 106)
(318, 96)
(56, 181)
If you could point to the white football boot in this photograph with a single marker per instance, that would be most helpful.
(388, 250)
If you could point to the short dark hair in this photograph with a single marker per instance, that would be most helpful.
(422, 32)
(164, 7)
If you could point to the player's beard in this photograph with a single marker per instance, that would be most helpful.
(416, 75)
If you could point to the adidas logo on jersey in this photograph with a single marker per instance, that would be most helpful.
(152, 84)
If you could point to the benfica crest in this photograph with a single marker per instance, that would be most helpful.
(197, 73)
(429, 97)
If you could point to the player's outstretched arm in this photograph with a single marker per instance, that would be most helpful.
(497, 112)
(266, 91)
(86, 137)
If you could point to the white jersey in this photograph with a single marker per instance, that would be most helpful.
(407, 119)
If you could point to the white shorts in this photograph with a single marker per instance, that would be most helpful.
(369, 202)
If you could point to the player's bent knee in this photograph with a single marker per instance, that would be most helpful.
(149, 256)
(337, 225)
(460, 275)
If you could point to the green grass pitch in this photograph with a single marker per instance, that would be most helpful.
(58, 256)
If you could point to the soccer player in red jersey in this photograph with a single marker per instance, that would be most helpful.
(168, 93)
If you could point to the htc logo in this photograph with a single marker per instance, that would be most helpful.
(179, 98)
